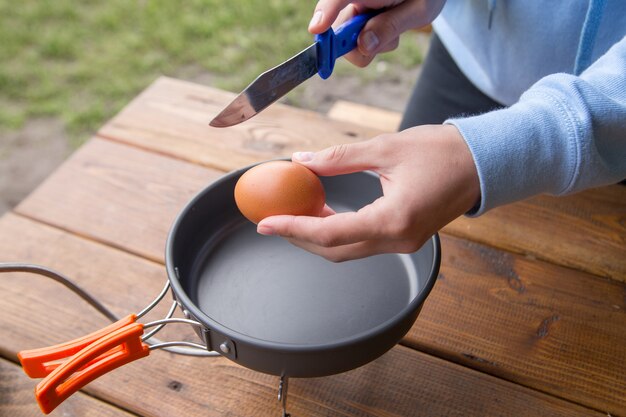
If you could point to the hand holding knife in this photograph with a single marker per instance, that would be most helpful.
(275, 83)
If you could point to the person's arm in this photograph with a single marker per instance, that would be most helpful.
(565, 134)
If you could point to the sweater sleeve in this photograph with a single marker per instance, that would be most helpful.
(565, 134)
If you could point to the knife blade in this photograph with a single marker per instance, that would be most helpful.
(275, 83)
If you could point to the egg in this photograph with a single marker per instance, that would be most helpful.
(279, 187)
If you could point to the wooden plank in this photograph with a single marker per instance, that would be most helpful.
(120, 195)
(585, 231)
(560, 331)
(403, 382)
(172, 117)
(16, 398)
(100, 270)
(600, 392)
(365, 115)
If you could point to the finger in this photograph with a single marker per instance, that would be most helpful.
(326, 12)
(357, 58)
(355, 250)
(327, 211)
(381, 30)
(344, 15)
(391, 46)
(339, 229)
(341, 159)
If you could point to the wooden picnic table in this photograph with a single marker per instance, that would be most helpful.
(528, 315)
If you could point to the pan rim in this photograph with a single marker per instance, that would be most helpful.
(210, 324)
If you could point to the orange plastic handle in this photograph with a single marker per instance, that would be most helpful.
(111, 351)
(38, 363)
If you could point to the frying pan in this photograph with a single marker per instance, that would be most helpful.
(258, 300)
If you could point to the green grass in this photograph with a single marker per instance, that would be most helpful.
(82, 61)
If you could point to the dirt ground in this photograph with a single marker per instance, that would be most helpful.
(29, 155)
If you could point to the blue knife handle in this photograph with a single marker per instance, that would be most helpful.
(331, 45)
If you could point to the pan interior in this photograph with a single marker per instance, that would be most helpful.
(268, 289)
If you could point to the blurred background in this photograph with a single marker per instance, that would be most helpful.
(67, 66)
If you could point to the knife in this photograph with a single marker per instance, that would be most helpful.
(273, 84)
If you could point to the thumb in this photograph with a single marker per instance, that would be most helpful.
(340, 159)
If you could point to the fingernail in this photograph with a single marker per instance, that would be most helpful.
(265, 230)
(370, 41)
(303, 156)
(317, 17)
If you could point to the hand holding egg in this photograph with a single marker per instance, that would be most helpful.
(279, 187)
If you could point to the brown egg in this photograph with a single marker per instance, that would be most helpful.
(279, 187)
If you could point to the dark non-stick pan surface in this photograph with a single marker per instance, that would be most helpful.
(261, 291)
(268, 289)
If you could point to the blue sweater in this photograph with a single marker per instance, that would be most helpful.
(560, 66)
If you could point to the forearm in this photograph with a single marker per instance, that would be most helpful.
(565, 134)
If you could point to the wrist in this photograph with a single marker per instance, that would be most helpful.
(467, 183)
